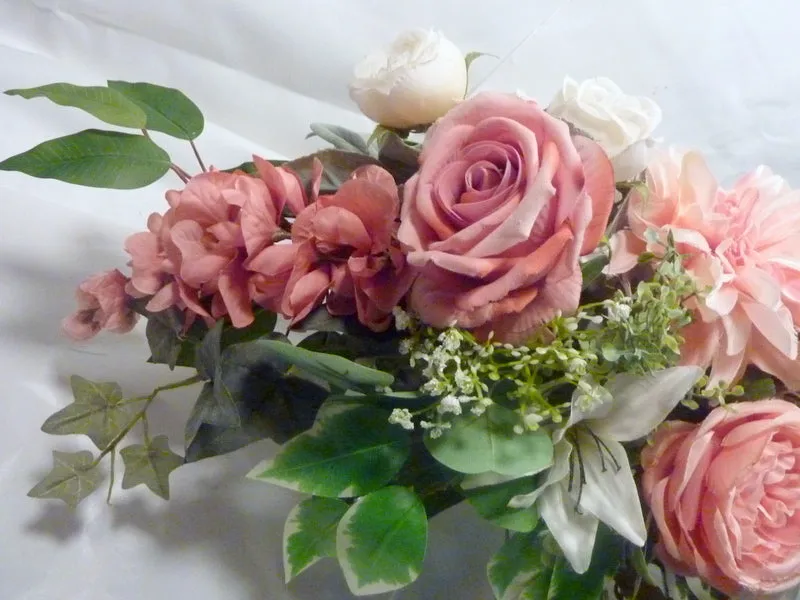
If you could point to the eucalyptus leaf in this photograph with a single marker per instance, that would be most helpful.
(381, 541)
(340, 137)
(94, 158)
(106, 104)
(475, 444)
(167, 110)
(353, 450)
(310, 533)
(150, 464)
(73, 477)
(98, 411)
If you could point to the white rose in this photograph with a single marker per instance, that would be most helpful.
(415, 81)
(620, 123)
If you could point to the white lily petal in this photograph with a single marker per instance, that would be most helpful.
(559, 470)
(575, 532)
(600, 407)
(610, 492)
(642, 402)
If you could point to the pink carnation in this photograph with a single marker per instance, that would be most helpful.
(347, 254)
(725, 495)
(102, 304)
(195, 256)
(743, 248)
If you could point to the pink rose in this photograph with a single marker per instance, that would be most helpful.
(198, 255)
(102, 304)
(347, 254)
(743, 248)
(504, 204)
(725, 495)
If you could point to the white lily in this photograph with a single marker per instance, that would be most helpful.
(591, 479)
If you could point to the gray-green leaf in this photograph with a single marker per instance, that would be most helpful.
(340, 138)
(310, 533)
(168, 110)
(350, 451)
(99, 411)
(106, 104)
(475, 444)
(381, 541)
(72, 479)
(94, 158)
(150, 464)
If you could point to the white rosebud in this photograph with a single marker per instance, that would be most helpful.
(620, 123)
(415, 81)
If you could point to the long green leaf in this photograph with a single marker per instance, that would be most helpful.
(167, 110)
(106, 104)
(94, 158)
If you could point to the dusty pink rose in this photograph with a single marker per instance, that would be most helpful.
(102, 304)
(743, 248)
(725, 495)
(347, 254)
(504, 204)
(197, 256)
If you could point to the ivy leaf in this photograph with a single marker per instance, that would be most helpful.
(263, 324)
(150, 464)
(209, 351)
(72, 479)
(381, 541)
(169, 344)
(105, 104)
(340, 138)
(310, 533)
(94, 158)
(491, 503)
(350, 451)
(99, 411)
(476, 444)
(167, 110)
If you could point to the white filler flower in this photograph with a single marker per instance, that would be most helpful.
(415, 81)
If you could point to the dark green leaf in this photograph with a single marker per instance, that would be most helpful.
(476, 444)
(168, 110)
(169, 345)
(491, 502)
(349, 452)
(381, 541)
(758, 389)
(435, 484)
(263, 324)
(340, 138)
(99, 411)
(592, 266)
(105, 104)
(337, 165)
(249, 167)
(320, 319)
(150, 464)
(94, 158)
(72, 479)
(310, 533)
(336, 370)
(397, 156)
(209, 351)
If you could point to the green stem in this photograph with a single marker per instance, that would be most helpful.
(111, 477)
(197, 156)
(142, 413)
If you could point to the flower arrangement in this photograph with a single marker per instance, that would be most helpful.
(535, 310)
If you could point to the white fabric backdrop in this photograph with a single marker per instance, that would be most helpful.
(724, 71)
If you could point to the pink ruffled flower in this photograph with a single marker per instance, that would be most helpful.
(725, 495)
(346, 254)
(102, 304)
(504, 204)
(197, 256)
(743, 248)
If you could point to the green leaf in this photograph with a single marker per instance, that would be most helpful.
(168, 343)
(397, 156)
(249, 166)
(340, 138)
(336, 370)
(99, 411)
(592, 266)
(758, 389)
(310, 533)
(72, 479)
(350, 451)
(167, 110)
(150, 464)
(106, 104)
(209, 351)
(94, 158)
(491, 502)
(476, 444)
(337, 165)
(470, 57)
(381, 541)
(524, 569)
